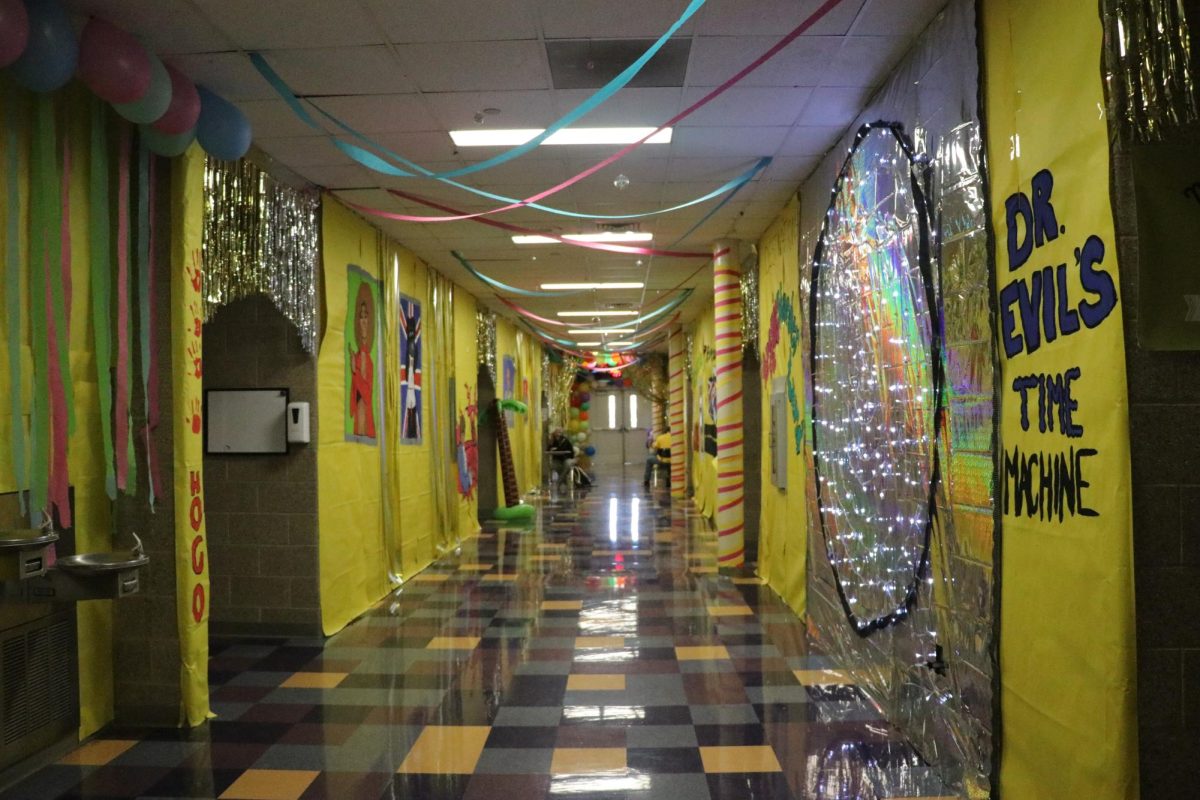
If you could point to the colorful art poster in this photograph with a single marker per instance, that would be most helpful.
(410, 370)
(710, 419)
(466, 446)
(362, 354)
(1067, 645)
(509, 387)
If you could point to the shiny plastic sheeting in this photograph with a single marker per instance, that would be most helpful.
(932, 673)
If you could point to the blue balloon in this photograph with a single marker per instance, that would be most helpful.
(591, 451)
(222, 130)
(166, 144)
(52, 52)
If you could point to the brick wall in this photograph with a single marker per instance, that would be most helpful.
(1164, 411)
(262, 510)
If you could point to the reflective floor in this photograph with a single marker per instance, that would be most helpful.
(597, 655)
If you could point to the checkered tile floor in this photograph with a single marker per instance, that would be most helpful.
(597, 655)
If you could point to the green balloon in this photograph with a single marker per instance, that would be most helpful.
(585, 406)
(154, 103)
(165, 144)
(583, 426)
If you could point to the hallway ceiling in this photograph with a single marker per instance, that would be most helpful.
(408, 71)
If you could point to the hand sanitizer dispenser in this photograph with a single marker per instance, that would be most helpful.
(297, 423)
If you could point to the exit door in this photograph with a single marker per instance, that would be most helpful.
(620, 419)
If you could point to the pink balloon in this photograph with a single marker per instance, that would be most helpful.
(14, 31)
(113, 63)
(184, 110)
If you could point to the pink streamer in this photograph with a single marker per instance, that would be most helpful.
(121, 409)
(59, 487)
(610, 248)
(737, 78)
(154, 414)
(527, 313)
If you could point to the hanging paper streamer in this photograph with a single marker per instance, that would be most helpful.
(374, 162)
(12, 301)
(610, 248)
(122, 443)
(378, 164)
(584, 108)
(57, 312)
(44, 192)
(507, 288)
(260, 237)
(529, 314)
(101, 285)
(144, 318)
(153, 413)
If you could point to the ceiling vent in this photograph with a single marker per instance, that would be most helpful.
(592, 63)
(619, 227)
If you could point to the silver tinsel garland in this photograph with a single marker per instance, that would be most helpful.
(749, 283)
(1148, 66)
(260, 237)
(485, 340)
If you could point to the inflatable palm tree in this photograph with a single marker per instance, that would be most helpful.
(513, 507)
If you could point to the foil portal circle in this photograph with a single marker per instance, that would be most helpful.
(876, 372)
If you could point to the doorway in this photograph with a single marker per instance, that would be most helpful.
(620, 421)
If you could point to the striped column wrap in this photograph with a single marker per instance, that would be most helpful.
(676, 421)
(730, 458)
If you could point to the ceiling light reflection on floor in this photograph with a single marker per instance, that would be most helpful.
(607, 783)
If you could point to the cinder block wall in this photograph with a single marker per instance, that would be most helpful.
(1164, 434)
(262, 509)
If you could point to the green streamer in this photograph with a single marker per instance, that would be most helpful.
(59, 301)
(44, 191)
(12, 298)
(100, 246)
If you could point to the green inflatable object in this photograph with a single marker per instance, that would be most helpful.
(518, 512)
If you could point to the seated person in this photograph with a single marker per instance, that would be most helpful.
(661, 456)
(562, 452)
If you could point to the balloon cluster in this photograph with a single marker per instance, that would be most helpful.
(38, 43)
(578, 416)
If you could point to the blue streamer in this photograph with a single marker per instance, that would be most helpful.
(511, 289)
(378, 164)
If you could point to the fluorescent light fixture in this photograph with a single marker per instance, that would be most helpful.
(620, 344)
(601, 331)
(608, 237)
(511, 137)
(597, 313)
(588, 344)
(550, 287)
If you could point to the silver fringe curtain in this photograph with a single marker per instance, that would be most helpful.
(1148, 66)
(260, 237)
(485, 339)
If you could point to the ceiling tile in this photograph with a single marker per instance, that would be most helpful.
(889, 18)
(166, 27)
(811, 140)
(866, 60)
(454, 20)
(599, 19)
(803, 63)
(337, 176)
(834, 107)
(261, 25)
(524, 109)
(750, 106)
(381, 113)
(728, 141)
(790, 170)
(476, 66)
(340, 70)
(230, 75)
(273, 118)
(775, 17)
(639, 106)
(302, 151)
